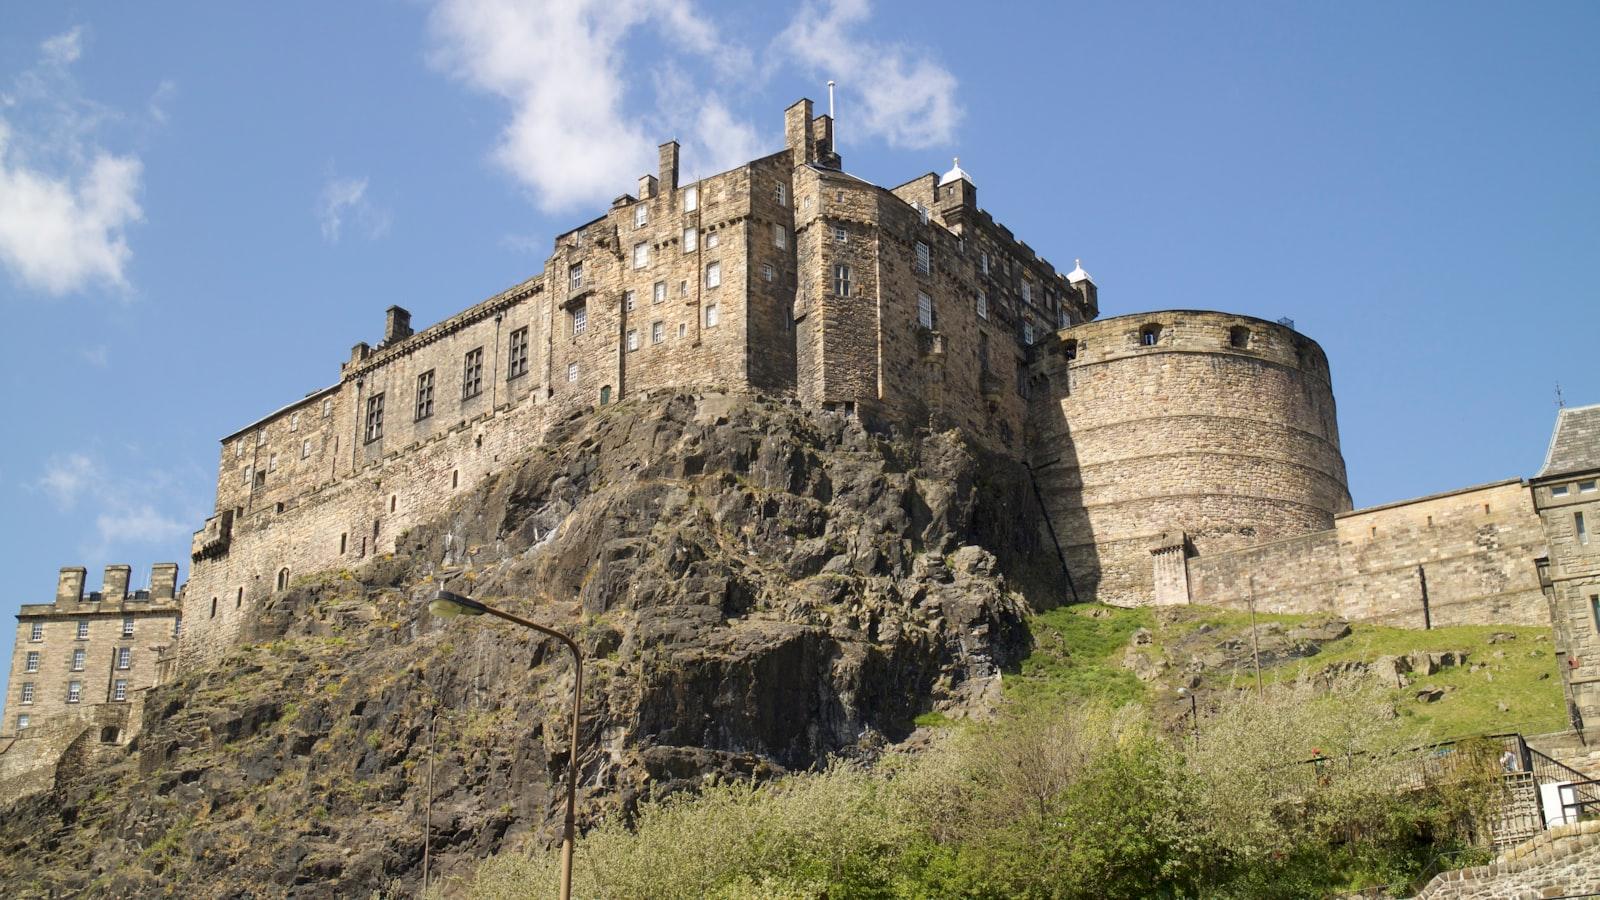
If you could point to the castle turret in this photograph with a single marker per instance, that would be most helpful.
(1080, 281)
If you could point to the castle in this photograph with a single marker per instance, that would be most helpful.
(1180, 456)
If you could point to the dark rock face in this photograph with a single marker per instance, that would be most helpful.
(757, 588)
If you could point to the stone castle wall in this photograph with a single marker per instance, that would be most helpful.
(1475, 549)
(1573, 580)
(1218, 427)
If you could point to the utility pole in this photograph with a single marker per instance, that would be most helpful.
(1255, 646)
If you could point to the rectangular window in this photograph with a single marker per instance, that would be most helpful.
(305, 448)
(780, 237)
(1583, 530)
(575, 276)
(711, 316)
(1027, 292)
(22, 723)
(658, 332)
(83, 629)
(713, 274)
(74, 691)
(572, 372)
(1063, 319)
(1594, 614)
(682, 329)
(472, 374)
(1027, 334)
(633, 338)
(36, 631)
(922, 213)
(924, 259)
(32, 663)
(119, 689)
(424, 395)
(840, 235)
(713, 240)
(767, 272)
(983, 263)
(690, 239)
(238, 449)
(1559, 490)
(79, 657)
(517, 354)
(841, 280)
(628, 302)
(127, 626)
(374, 417)
(249, 474)
(924, 310)
(659, 292)
(641, 255)
(781, 194)
(691, 198)
(294, 422)
(124, 657)
(641, 215)
(1585, 487)
(261, 437)
(327, 408)
(27, 692)
(983, 306)
(272, 462)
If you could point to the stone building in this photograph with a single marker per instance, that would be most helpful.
(1566, 494)
(81, 666)
(909, 307)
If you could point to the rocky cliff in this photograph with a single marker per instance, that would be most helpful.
(757, 588)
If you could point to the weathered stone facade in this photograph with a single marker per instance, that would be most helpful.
(80, 668)
(1219, 429)
(1566, 493)
(785, 276)
(1562, 862)
(1461, 558)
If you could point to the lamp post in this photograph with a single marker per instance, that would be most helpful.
(1194, 714)
(446, 605)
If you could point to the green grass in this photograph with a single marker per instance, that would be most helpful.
(1077, 655)
(1078, 652)
(1523, 677)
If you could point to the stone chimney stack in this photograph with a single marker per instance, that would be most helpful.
(69, 587)
(822, 136)
(115, 587)
(164, 581)
(798, 134)
(669, 166)
(396, 324)
(647, 187)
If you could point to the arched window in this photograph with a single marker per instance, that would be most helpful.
(1149, 335)
(283, 579)
(605, 395)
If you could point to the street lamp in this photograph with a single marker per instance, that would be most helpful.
(447, 605)
(1194, 714)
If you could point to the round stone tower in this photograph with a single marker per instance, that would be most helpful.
(1176, 433)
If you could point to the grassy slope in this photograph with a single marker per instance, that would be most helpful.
(1079, 649)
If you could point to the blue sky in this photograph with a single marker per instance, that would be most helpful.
(203, 206)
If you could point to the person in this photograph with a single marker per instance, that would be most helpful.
(1508, 761)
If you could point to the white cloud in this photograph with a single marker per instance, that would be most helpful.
(63, 49)
(562, 67)
(125, 509)
(66, 478)
(584, 114)
(345, 199)
(65, 203)
(907, 98)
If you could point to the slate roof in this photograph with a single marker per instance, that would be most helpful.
(1575, 444)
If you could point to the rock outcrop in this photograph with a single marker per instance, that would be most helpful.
(758, 588)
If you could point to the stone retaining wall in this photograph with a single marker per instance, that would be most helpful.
(1563, 862)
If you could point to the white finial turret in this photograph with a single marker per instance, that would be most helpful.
(1078, 274)
(955, 174)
